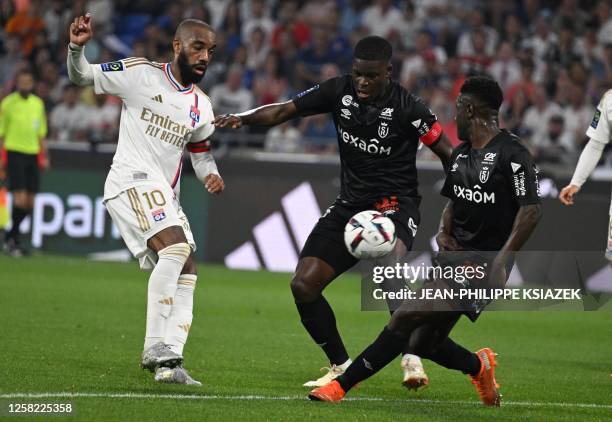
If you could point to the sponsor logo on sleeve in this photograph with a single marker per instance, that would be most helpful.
(595, 120)
(301, 94)
(112, 66)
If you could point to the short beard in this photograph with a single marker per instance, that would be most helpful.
(187, 74)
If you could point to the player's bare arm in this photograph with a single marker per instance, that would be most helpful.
(525, 222)
(444, 238)
(443, 149)
(268, 115)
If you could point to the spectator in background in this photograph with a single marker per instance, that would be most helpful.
(11, 57)
(25, 25)
(465, 44)
(413, 66)
(319, 134)
(290, 27)
(68, 119)
(283, 138)
(103, 122)
(231, 26)
(512, 32)
(49, 73)
(269, 86)
(257, 49)
(257, 19)
(535, 118)
(553, 144)
(409, 28)
(570, 11)
(526, 84)
(311, 60)
(382, 18)
(577, 114)
(505, 69)
(23, 128)
(480, 59)
(543, 38)
(231, 97)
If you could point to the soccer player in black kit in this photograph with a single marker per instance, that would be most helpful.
(379, 126)
(493, 207)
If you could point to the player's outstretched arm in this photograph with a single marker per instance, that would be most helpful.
(79, 69)
(268, 115)
(586, 164)
(525, 222)
(443, 149)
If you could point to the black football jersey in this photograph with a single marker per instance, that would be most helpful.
(377, 141)
(487, 187)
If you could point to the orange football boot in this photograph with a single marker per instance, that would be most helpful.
(332, 392)
(485, 380)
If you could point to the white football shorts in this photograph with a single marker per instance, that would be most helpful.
(143, 211)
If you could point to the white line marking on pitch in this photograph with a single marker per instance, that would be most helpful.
(283, 398)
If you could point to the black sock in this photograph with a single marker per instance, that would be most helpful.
(454, 356)
(319, 320)
(18, 214)
(378, 354)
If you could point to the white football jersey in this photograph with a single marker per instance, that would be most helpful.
(599, 129)
(159, 117)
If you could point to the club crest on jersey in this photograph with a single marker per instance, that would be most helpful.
(347, 100)
(383, 129)
(111, 67)
(485, 172)
(386, 113)
(194, 115)
(159, 215)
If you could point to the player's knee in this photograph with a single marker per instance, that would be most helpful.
(403, 321)
(178, 252)
(190, 266)
(303, 289)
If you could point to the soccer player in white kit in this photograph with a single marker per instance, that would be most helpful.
(599, 135)
(163, 112)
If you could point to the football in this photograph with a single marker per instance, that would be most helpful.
(369, 234)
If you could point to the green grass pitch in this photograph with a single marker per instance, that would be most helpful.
(76, 327)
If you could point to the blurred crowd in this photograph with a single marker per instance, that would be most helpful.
(553, 59)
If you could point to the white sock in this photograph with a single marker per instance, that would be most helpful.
(412, 360)
(179, 321)
(162, 289)
(345, 365)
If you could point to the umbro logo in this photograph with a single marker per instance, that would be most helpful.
(417, 123)
(157, 98)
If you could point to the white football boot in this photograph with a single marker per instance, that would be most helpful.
(332, 373)
(176, 375)
(160, 355)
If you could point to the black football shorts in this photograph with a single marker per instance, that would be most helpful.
(22, 172)
(326, 241)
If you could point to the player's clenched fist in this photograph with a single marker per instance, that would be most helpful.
(228, 120)
(80, 30)
(214, 184)
(567, 194)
